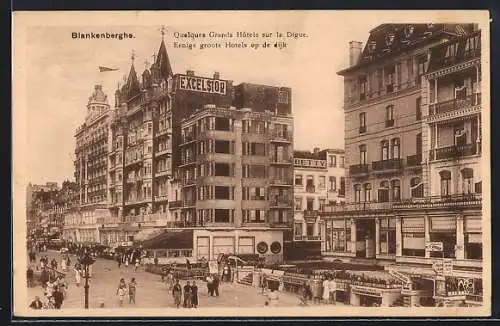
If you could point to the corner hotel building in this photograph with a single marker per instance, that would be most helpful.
(412, 104)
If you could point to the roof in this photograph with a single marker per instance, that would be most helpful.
(147, 234)
(170, 239)
(321, 155)
(388, 40)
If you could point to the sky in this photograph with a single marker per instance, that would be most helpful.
(62, 72)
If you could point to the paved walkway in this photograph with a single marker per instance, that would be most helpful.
(151, 292)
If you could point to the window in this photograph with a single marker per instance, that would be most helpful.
(256, 171)
(389, 116)
(390, 78)
(298, 229)
(467, 181)
(222, 192)
(396, 190)
(298, 180)
(222, 169)
(332, 161)
(310, 204)
(363, 87)
(223, 146)
(332, 183)
(223, 124)
(383, 192)
(342, 187)
(222, 215)
(283, 97)
(362, 122)
(395, 150)
(298, 203)
(385, 150)
(478, 187)
(460, 136)
(258, 149)
(416, 188)
(368, 192)
(418, 108)
(322, 203)
(473, 246)
(445, 183)
(342, 161)
(362, 155)
(357, 193)
(422, 61)
(321, 182)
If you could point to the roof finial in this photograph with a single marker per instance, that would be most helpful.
(162, 30)
(132, 56)
(154, 57)
(146, 63)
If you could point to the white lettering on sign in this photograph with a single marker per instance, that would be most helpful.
(434, 246)
(447, 267)
(366, 291)
(318, 164)
(200, 84)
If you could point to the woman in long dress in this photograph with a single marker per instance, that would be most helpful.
(78, 276)
(326, 290)
(64, 265)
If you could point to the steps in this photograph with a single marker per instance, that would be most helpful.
(247, 280)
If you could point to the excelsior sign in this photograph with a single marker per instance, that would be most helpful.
(302, 162)
(200, 84)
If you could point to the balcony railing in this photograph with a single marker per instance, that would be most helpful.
(307, 238)
(362, 129)
(455, 104)
(286, 137)
(281, 160)
(458, 200)
(414, 160)
(385, 165)
(359, 207)
(281, 182)
(175, 204)
(310, 213)
(389, 123)
(358, 169)
(311, 188)
(281, 202)
(453, 152)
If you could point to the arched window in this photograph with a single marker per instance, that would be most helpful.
(357, 193)
(385, 149)
(396, 190)
(383, 192)
(368, 192)
(395, 150)
(416, 187)
(467, 180)
(445, 182)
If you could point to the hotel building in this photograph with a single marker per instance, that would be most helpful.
(407, 142)
(319, 181)
(236, 174)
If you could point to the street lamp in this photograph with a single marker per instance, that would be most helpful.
(86, 260)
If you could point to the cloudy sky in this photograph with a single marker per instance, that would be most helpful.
(61, 72)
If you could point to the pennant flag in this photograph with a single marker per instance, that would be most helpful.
(460, 30)
(104, 69)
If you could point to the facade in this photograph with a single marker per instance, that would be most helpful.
(318, 181)
(236, 174)
(400, 127)
(35, 197)
(91, 170)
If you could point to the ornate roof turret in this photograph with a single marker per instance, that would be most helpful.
(132, 87)
(98, 96)
(162, 61)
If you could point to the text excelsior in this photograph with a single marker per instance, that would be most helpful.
(199, 84)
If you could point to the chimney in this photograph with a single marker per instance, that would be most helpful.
(190, 72)
(354, 52)
(216, 75)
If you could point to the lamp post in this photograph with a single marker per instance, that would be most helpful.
(86, 260)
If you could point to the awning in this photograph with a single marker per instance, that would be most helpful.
(170, 239)
(147, 234)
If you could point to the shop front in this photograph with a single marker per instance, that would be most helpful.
(365, 296)
(458, 291)
(341, 293)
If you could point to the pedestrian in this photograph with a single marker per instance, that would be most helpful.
(53, 263)
(137, 263)
(119, 259)
(63, 264)
(42, 263)
(44, 277)
(126, 261)
(303, 294)
(187, 295)
(210, 285)
(121, 292)
(262, 284)
(63, 285)
(58, 298)
(326, 290)
(131, 290)
(30, 276)
(177, 293)
(78, 274)
(155, 261)
(194, 295)
(36, 303)
(216, 285)
(188, 264)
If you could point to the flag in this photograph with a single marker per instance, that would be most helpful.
(104, 69)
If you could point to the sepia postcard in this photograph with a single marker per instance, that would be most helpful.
(251, 163)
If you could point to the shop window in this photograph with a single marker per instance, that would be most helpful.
(473, 246)
(445, 183)
(414, 244)
(449, 240)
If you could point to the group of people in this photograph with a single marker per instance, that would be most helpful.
(124, 289)
(54, 288)
(190, 294)
(213, 285)
(127, 259)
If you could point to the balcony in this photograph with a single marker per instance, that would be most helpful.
(175, 204)
(306, 238)
(161, 198)
(311, 214)
(311, 188)
(281, 202)
(281, 160)
(414, 160)
(162, 173)
(281, 137)
(164, 131)
(281, 182)
(389, 123)
(455, 105)
(391, 165)
(362, 129)
(452, 201)
(358, 170)
(455, 152)
(161, 152)
(362, 207)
